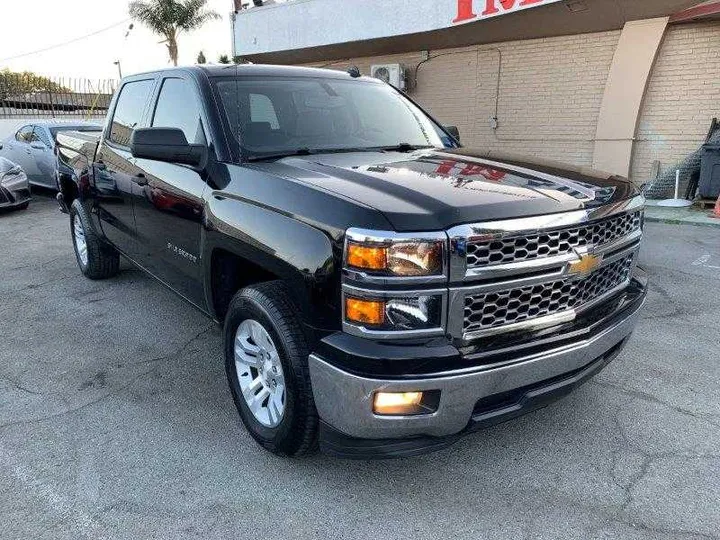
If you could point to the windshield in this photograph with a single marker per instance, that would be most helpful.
(283, 115)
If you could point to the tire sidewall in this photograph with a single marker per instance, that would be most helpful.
(74, 212)
(276, 437)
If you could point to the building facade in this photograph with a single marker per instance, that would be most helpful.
(578, 84)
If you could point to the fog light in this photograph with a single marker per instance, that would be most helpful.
(406, 403)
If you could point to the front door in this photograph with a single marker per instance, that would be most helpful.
(168, 201)
(115, 170)
(41, 149)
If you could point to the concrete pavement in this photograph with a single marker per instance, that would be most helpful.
(116, 422)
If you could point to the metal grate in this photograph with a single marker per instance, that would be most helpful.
(551, 243)
(500, 308)
(27, 95)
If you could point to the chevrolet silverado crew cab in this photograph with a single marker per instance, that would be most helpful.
(382, 290)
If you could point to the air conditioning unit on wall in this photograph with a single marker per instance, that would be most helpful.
(390, 73)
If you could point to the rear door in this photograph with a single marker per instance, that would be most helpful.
(115, 171)
(169, 207)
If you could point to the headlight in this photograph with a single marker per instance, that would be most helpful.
(394, 313)
(387, 314)
(11, 176)
(395, 254)
(374, 264)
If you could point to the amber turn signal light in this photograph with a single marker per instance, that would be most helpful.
(364, 311)
(367, 257)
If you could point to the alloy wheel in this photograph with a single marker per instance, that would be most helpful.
(80, 241)
(260, 373)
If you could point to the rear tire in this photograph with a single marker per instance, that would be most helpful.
(96, 259)
(255, 368)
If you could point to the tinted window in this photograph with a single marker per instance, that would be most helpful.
(41, 134)
(24, 134)
(129, 110)
(280, 115)
(177, 107)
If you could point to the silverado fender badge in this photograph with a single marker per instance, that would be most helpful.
(586, 264)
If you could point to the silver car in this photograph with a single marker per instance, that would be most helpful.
(32, 147)
(14, 185)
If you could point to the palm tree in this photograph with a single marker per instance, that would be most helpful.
(170, 17)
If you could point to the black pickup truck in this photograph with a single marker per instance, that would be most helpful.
(383, 290)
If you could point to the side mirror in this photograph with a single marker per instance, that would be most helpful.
(454, 131)
(166, 144)
(37, 145)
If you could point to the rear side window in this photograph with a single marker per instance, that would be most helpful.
(177, 107)
(129, 110)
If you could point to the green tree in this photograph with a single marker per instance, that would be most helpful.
(26, 82)
(168, 18)
(201, 58)
(224, 59)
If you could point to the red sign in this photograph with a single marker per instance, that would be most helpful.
(470, 169)
(466, 8)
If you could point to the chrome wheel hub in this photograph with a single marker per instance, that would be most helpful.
(80, 242)
(260, 373)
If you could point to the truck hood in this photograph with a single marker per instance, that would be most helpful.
(432, 190)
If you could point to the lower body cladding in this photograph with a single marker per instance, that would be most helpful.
(468, 399)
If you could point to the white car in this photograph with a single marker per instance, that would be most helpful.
(14, 185)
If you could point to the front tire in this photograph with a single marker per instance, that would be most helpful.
(95, 259)
(266, 362)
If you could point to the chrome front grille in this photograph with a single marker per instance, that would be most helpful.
(514, 305)
(538, 272)
(525, 247)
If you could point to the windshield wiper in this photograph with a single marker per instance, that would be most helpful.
(403, 147)
(312, 151)
(280, 155)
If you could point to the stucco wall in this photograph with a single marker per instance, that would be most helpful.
(683, 96)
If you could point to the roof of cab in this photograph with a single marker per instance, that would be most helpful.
(253, 70)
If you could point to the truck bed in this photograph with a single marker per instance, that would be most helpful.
(76, 149)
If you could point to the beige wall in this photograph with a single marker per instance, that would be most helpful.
(683, 96)
(551, 93)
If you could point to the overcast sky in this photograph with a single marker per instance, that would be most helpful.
(29, 25)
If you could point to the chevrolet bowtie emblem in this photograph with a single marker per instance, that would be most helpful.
(586, 264)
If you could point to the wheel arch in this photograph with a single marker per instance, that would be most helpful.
(246, 244)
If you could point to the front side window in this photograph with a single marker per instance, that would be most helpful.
(129, 110)
(24, 134)
(286, 114)
(177, 107)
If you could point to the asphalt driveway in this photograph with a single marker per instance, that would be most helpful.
(116, 422)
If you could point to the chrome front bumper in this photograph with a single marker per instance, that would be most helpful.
(344, 400)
